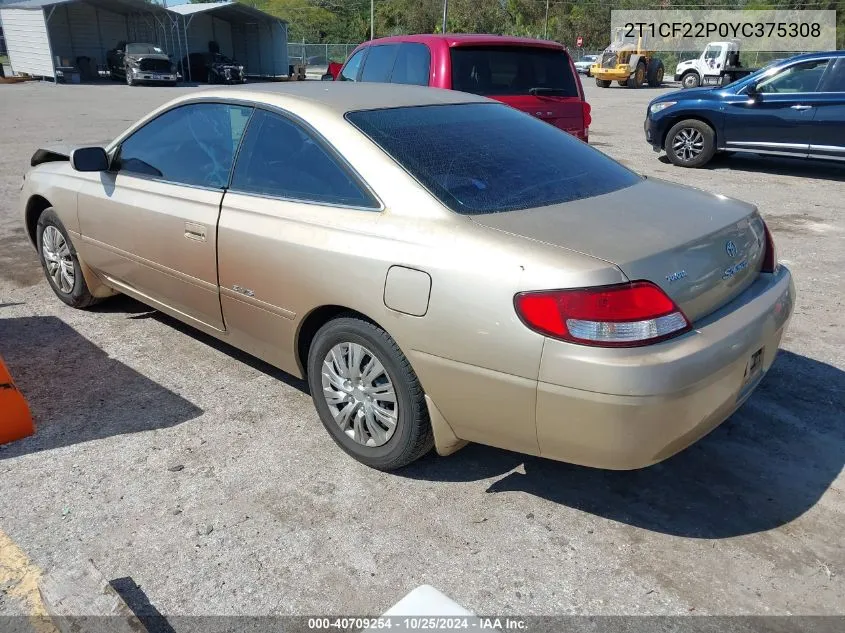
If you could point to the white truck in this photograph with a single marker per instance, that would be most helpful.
(718, 65)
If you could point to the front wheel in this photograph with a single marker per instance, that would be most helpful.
(367, 394)
(690, 143)
(129, 80)
(655, 73)
(637, 78)
(690, 80)
(603, 83)
(60, 263)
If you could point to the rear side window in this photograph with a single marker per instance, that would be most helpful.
(379, 63)
(350, 71)
(512, 70)
(834, 80)
(279, 158)
(486, 158)
(412, 65)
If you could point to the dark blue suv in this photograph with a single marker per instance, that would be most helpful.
(793, 108)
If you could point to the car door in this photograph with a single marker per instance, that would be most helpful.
(295, 211)
(378, 64)
(351, 69)
(827, 139)
(778, 118)
(153, 217)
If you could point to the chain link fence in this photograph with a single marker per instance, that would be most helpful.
(318, 55)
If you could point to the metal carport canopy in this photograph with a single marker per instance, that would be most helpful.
(271, 44)
(166, 20)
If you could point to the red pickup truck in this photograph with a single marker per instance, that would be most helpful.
(535, 76)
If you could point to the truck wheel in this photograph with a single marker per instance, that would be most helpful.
(690, 80)
(690, 143)
(603, 83)
(637, 78)
(655, 72)
(367, 394)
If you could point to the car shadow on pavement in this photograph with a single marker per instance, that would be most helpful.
(76, 393)
(764, 467)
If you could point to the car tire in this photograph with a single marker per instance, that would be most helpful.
(603, 83)
(655, 72)
(690, 80)
(129, 80)
(56, 252)
(638, 77)
(699, 143)
(329, 354)
(622, 83)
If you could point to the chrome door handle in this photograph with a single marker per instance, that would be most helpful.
(195, 231)
(800, 107)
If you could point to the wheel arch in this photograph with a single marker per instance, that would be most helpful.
(445, 440)
(311, 324)
(35, 206)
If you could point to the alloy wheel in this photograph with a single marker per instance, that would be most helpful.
(57, 259)
(360, 394)
(688, 144)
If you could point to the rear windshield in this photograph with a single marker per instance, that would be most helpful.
(512, 70)
(486, 158)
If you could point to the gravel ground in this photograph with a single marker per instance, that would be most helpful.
(206, 477)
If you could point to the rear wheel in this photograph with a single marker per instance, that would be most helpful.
(690, 80)
(690, 143)
(603, 83)
(655, 72)
(60, 263)
(622, 83)
(367, 394)
(637, 78)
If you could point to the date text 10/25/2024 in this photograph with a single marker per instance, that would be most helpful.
(418, 623)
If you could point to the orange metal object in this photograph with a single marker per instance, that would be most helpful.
(15, 418)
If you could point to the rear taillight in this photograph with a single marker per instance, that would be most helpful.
(588, 117)
(770, 259)
(626, 315)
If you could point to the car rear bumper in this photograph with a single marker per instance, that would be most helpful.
(629, 408)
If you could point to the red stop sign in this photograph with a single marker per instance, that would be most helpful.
(579, 41)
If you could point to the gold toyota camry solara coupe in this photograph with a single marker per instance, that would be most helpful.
(441, 267)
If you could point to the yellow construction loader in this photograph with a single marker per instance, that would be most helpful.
(629, 62)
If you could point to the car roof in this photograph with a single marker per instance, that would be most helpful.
(467, 39)
(338, 97)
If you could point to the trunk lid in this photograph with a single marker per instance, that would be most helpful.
(566, 113)
(701, 249)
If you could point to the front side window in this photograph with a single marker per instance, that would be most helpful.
(512, 70)
(379, 63)
(192, 144)
(279, 158)
(350, 71)
(413, 63)
(487, 158)
(803, 77)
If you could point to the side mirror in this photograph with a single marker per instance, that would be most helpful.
(752, 90)
(89, 159)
